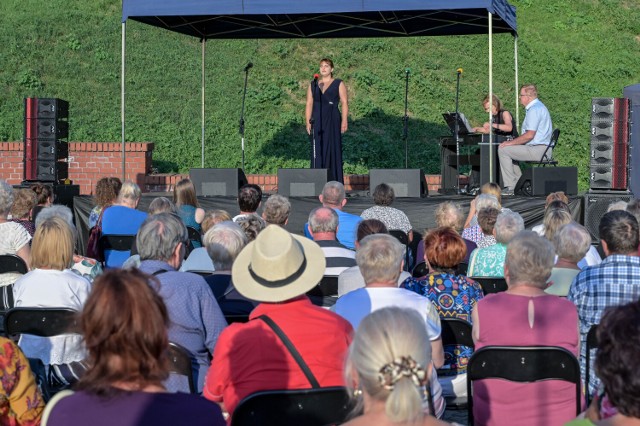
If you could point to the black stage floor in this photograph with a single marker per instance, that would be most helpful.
(419, 210)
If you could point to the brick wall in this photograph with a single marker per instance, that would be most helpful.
(90, 161)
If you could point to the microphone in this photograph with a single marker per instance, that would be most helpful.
(459, 70)
(249, 66)
(407, 71)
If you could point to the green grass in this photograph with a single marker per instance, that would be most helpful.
(573, 50)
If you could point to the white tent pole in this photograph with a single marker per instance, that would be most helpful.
(204, 41)
(515, 55)
(122, 92)
(491, 160)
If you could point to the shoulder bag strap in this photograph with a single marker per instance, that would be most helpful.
(292, 349)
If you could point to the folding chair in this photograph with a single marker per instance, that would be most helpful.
(525, 365)
(404, 239)
(457, 332)
(115, 242)
(9, 263)
(325, 293)
(490, 284)
(309, 407)
(236, 318)
(181, 364)
(194, 236)
(43, 322)
(420, 270)
(592, 343)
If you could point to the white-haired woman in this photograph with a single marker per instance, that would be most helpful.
(14, 238)
(572, 242)
(388, 365)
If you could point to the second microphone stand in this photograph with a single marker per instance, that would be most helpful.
(405, 119)
(456, 134)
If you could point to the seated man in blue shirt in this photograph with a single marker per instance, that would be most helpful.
(334, 196)
(530, 145)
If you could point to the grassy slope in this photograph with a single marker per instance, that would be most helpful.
(574, 50)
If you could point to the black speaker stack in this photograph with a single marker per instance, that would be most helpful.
(609, 168)
(611, 160)
(46, 132)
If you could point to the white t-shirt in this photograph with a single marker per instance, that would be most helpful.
(13, 237)
(49, 288)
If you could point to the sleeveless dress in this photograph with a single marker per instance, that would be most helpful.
(503, 321)
(497, 119)
(326, 130)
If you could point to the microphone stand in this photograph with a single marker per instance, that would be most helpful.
(405, 119)
(244, 95)
(456, 134)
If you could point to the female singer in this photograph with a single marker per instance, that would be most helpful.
(328, 123)
(501, 120)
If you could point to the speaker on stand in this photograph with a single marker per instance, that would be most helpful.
(46, 131)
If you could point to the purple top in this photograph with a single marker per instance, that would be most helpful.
(135, 409)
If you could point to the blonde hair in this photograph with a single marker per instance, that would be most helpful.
(129, 191)
(492, 188)
(449, 214)
(52, 246)
(381, 338)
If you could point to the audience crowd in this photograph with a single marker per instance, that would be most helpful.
(237, 292)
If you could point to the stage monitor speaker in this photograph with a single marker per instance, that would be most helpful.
(540, 181)
(301, 182)
(217, 182)
(595, 206)
(407, 183)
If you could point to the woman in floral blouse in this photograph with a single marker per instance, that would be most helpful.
(20, 400)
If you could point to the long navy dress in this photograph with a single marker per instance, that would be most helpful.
(326, 130)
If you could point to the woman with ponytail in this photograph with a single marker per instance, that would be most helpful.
(388, 365)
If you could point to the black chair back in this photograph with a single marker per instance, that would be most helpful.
(236, 318)
(181, 364)
(456, 331)
(6, 303)
(592, 343)
(404, 239)
(309, 407)
(523, 364)
(325, 293)
(546, 159)
(194, 236)
(491, 285)
(12, 263)
(44, 322)
(420, 270)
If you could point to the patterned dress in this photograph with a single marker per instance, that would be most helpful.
(454, 296)
(488, 261)
(20, 400)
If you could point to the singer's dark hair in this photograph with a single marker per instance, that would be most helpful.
(328, 61)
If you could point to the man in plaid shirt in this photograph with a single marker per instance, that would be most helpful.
(616, 281)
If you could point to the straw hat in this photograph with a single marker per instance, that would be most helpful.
(278, 266)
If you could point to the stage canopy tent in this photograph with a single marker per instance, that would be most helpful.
(274, 19)
(249, 19)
